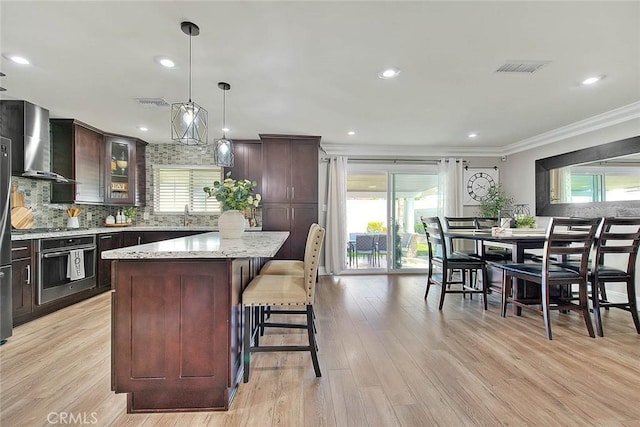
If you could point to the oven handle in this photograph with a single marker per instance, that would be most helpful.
(57, 254)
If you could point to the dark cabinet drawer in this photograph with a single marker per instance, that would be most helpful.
(20, 249)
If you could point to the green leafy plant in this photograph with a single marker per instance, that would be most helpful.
(495, 202)
(234, 195)
(525, 221)
(130, 212)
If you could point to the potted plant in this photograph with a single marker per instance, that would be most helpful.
(130, 213)
(496, 203)
(235, 196)
(525, 221)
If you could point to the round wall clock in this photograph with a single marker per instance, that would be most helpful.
(477, 183)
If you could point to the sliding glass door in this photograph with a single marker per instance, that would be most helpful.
(412, 195)
(384, 205)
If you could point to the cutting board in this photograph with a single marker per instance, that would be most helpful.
(21, 217)
(17, 197)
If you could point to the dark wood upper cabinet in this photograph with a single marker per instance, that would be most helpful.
(290, 189)
(124, 176)
(141, 173)
(248, 162)
(290, 169)
(77, 153)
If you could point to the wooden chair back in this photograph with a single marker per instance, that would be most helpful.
(570, 238)
(619, 236)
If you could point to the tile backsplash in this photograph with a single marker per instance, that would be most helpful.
(46, 214)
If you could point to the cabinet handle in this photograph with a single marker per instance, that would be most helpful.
(287, 196)
(106, 237)
(293, 214)
(139, 240)
(293, 193)
(287, 214)
(19, 248)
(28, 267)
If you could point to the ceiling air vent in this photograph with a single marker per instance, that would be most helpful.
(152, 102)
(521, 66)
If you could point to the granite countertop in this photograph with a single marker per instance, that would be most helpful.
(28, 235)
(263, 244)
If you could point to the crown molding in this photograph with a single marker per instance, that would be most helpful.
(600, 121)
(591, 124)
(409, 151)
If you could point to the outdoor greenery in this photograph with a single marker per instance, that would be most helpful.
(497, 201)
(376, 227)
(234, 194)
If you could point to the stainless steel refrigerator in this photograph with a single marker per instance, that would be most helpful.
(6, 314)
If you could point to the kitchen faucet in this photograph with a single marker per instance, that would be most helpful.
(186, 214)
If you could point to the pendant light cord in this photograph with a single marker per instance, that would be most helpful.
(224, 114)
(190, 37)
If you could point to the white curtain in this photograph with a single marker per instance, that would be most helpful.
(336, 237)
(450, 194)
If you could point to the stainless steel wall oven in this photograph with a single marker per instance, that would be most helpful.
(54, 276)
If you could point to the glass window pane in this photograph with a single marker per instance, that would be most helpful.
(176, 188)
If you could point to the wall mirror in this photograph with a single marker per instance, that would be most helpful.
(597, 181)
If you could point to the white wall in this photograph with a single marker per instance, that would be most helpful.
(518, 171)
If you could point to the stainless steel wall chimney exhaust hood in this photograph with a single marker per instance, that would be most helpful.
(27, 125)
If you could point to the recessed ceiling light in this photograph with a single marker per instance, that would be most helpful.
(472, 135)
(226, 129)
(591, 80)
(19, 59)
(389, 73)
(166, 62)
(143, 128)
(351, 132)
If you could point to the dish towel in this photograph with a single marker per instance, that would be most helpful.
(75, 264)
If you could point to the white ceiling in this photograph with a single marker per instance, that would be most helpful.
(311, 67)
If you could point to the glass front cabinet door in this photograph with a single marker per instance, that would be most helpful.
(121, 185)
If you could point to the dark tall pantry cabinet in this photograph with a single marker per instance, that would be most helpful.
(290, 189)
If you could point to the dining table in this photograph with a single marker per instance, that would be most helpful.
(518, 240)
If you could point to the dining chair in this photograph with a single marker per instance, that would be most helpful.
(364, 246)
(381, 247)
(441, 257)
(460, 223)
(461, 246)
(619, 237)
(565, 237)
(492, 253)
(283, 291)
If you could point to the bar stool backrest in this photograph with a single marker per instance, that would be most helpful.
(311, 260)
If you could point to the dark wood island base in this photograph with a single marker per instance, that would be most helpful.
(177, 332)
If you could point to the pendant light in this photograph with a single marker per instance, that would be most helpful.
(188, 119)
(223, 152)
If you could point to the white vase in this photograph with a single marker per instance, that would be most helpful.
(231, 224)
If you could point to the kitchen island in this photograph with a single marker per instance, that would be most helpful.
(176, 337)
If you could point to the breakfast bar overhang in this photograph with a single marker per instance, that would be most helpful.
(176, 336)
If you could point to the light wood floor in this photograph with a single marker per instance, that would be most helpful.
(388, 358)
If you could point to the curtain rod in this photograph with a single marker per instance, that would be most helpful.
(395, 161)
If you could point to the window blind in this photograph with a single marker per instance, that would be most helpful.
(175, 188)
